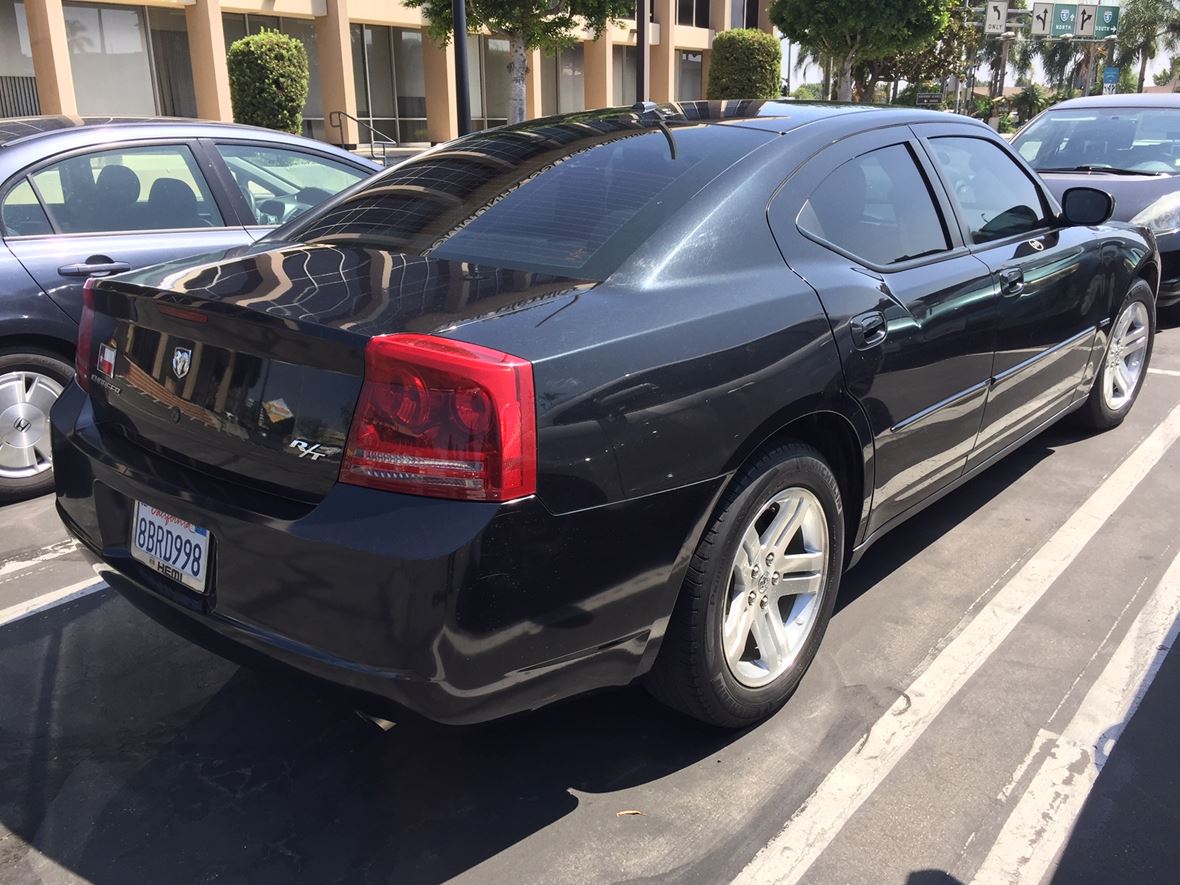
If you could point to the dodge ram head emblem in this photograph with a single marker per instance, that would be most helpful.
(182, 358)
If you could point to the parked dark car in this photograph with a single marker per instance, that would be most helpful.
(590, 398)
(1127, 145)
(89, 197)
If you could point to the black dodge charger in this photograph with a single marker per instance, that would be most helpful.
(611, 395)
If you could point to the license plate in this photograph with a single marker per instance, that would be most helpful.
(172, 546)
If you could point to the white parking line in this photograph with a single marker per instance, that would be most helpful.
(53, 551)
(1044, 817)
(787, 857)
(49, 600)
(1170, 372)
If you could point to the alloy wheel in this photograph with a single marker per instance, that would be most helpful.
(25, 400)
(776, 582)
(1125, 356)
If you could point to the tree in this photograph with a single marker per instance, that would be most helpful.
(746, 63)
(943, 55)
(1030, 101)
(809, 92)
(1145, 26)
(550, 25)
(851, 30)
(268, 81)
(1168, 74)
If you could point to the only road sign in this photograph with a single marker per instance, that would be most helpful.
(997, 17)
(1087, 15)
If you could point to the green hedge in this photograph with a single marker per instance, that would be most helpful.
(268, 81)
(747, 63)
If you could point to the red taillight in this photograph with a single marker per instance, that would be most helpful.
(443, 418)
(85, 333)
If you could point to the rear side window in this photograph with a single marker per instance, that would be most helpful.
(876, 207)
(568, 198)
(995, 196)
(21, 214)
(135, 188)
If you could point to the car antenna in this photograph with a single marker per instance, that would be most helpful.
(645, 108)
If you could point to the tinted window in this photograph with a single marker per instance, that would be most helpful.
(140, 188)
(22, 215)
(996, 197)
(565, 197)
(877, 207)
(1137, 139)
(279, 184)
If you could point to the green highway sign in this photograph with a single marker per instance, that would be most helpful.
(1064, 16)
(1107, 22)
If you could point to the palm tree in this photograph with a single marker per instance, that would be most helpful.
(1030, 101)
(1146, 26)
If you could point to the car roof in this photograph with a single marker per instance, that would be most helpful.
(783, 115)
(28, 139)
(1129, 100)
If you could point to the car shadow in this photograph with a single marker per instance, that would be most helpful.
(129, 755)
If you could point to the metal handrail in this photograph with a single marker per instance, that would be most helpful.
(335, 118)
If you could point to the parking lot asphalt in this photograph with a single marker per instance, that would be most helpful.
(994, 701)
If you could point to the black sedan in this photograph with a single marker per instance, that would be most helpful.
(1127, 145)
(612, 395)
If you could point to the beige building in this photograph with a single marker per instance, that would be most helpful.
(370, 59)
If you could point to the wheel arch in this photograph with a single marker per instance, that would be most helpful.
(838, 430)
(43, 343)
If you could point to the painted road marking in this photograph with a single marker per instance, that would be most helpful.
(1170, 372)
(48, 600)
(787, 857)
(45, 554)
(1043, 819)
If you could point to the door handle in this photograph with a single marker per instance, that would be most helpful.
(88, 269)
(1011, 281)
(868, 329)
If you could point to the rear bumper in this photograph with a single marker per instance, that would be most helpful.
(459, 611)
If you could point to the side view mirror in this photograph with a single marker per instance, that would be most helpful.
(1086, 206)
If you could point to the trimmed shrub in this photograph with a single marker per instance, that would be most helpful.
(268, 81)
(746, 63)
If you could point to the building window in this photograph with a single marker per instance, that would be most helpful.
(236, 25)
(175, 94)
(689, 76)
(390, 83)
(18, 86)
(694, 13)
(745, 13)
(623, 63)
(563, 82)
(110, 59)
(490, 83)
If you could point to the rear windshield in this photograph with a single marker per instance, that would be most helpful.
(567, 197)
(1143, 140)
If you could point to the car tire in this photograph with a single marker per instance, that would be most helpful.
(699, 669)
(30, 381)
(1121, 374)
